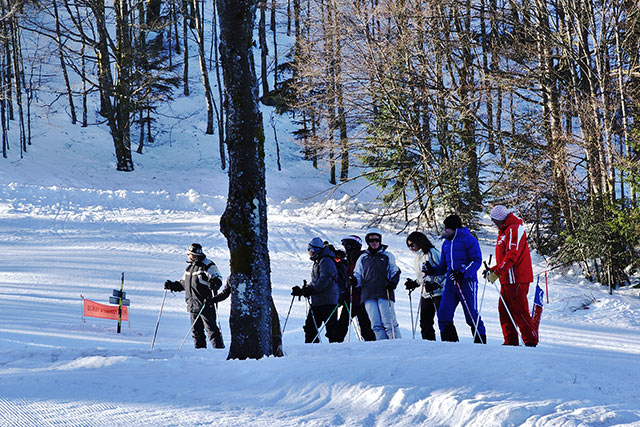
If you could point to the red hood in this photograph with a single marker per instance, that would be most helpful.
(510, 220)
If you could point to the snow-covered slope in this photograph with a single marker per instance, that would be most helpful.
(70, 225)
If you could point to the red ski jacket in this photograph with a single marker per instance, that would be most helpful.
(513, 259)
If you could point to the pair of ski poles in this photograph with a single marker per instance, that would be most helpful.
(315, 324)
(476, 321)
(155, 332)
(414, 325)
(313, 317)
(504, 303)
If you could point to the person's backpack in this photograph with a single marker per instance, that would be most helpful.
(341, 279)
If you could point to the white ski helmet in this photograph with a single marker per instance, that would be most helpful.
(373, 232)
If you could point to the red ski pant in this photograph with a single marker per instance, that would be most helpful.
(515, 296)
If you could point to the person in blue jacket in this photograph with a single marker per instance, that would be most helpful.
(460, 261)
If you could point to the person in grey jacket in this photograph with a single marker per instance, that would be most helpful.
(200, 281)
(378, 275)
(323, 292)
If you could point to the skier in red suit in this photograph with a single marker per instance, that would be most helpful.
(513, 268)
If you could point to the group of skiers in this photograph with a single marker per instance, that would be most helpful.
(357, 283)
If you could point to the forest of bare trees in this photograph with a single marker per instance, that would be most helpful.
(451, 105)
(444, 105)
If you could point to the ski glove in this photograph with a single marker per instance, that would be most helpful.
(431, 286)
(172, 286)
(307, 291)
(410, 284)
(296, 291)
(428, 269)
(215, 283)
(493, 274)
(390, 286)
(353, 281)
(457, 276)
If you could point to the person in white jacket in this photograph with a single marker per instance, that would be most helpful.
(430, 286)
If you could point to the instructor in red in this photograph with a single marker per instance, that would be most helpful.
(513, 267)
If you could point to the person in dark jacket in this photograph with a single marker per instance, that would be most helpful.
(323, 292)
(200, 281)
(352, 304)
(460, 261)
(377, 274)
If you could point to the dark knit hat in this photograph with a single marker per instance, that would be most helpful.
(453, 222)
(195, 249)
(315, 245)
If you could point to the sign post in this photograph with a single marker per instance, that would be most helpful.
(119, 298)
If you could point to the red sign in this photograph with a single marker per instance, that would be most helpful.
(94, 309)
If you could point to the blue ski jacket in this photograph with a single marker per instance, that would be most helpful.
(462, 253)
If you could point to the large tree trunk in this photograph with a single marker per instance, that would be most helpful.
(244, 222)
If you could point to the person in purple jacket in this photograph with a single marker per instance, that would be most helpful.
(460, 261)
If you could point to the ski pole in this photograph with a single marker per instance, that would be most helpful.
(353, 321)
(194, 322)
(419, 306)
(288, 312)
(310, 307)
(158, 322)
(504, 303)
(413, 328)
(217, 316)
(324, 324)
(350, 311)
(464, 301)
(346, 307)
(313, 317)
(392, 318)
(484, 288)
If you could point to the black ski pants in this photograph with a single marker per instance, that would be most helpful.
(316, 315)
(207, 320)
(428, 310)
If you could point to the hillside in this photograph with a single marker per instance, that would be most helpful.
(70, 225)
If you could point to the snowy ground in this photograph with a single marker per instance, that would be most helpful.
(70, 225)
